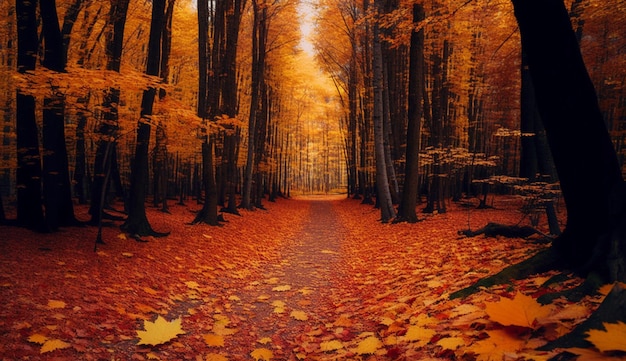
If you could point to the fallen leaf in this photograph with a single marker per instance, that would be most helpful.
(451, 343)
(369, 345)
(51, 345)
(56, 304)
(299, 315)
(418, 333)
(613, 339)
(521, 311)
(37, 338)
(496, 345)
(262, 354)
(214, 340)
(265, 340)
(215, 357)
(282, 288)
(159, 331)
(331, 345)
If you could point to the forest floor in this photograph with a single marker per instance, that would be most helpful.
(316, 278)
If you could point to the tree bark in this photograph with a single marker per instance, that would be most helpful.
(107, 130)
(383, 196)
(28, 173)
(57, 190)
(584, 156)
(406, 211)
(137, 221)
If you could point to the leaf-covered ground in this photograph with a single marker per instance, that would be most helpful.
(309, 279)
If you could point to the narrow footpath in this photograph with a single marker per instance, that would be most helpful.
(293, 296)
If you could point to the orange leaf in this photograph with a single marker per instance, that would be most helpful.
(613, 339)
(521, 311)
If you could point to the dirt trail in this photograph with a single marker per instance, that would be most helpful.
(293, 295)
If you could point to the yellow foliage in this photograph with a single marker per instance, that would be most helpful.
(331, 345)
(159, 331)
(215, 357)
(262, 354)
(451, 343)
(521, 311)
(299, 315)
(496, 346)
(281, 288)
(613, 339)
(38, 338)
(369, 345)
(418, 333)
(51, 345)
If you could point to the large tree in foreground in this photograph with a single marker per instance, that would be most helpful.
(586, 162)
(594, 240)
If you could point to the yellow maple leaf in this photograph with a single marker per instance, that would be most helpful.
(331, 345)
(418, 333)
(262, 354)
(299, 315)
(51, 345)
(159, 331)
(369, 345)
(214, 340)
(496, 346)
(613, 339)
(451, 343)
(521, 311)
(38, 338)
(215, 357)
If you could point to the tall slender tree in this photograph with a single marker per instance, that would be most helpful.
(57, 191)
(137, 221)
(383, 193)
(29, 209)
(108, 127)
(406, 211)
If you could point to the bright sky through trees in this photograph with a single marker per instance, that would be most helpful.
(307, 13)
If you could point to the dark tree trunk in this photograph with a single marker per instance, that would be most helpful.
(80, 165)
(28, 173)
(137, 221)
(207, 107)
(584, 156)
(229, 98)
(57, 191)
(383, 193)
(208, 213)
(107, 130)
(406, 211)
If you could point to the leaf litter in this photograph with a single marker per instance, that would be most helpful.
(339, 288)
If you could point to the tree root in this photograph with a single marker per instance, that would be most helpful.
(612, 309)
(541, 262)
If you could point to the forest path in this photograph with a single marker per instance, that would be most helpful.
(294, 294)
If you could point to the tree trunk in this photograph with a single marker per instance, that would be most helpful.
(57, 190)
(387, 212)
(107, 130)
(259, 38)
(137, 221)
(28, 173)
(406, 211)
(584, 156)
